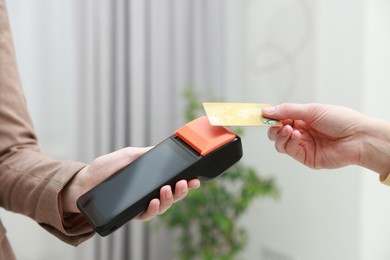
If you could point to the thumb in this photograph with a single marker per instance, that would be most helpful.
(112, 162)
(288, 111)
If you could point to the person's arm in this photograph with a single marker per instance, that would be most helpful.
(30, 182)
(328, 136)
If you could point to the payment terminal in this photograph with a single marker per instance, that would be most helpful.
(195, 150)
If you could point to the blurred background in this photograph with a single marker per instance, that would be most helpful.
(100, 75)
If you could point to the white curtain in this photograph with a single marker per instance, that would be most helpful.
(135, 59)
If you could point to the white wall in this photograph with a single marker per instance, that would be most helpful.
(313, 51)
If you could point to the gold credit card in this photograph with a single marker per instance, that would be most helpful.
(238, 114)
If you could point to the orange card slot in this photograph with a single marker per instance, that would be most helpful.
(203, 137)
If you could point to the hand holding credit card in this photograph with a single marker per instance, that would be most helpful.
(238, 114)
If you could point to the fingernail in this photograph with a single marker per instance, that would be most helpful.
(269, 110)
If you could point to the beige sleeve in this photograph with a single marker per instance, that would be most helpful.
(30, 182)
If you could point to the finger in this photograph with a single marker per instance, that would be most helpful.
(273, 132)
(151, 211)
(166, 199)
(292, 146)
(194, 184)
(181, 190)
(288, 122)
(135, 152)
(282, 138)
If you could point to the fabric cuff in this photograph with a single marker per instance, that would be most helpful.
(72, 229)
(385, 179)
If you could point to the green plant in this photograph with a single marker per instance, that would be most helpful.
(207, 219)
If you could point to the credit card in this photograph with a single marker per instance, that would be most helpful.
(238, 114)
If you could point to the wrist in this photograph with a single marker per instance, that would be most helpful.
(375, 147)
